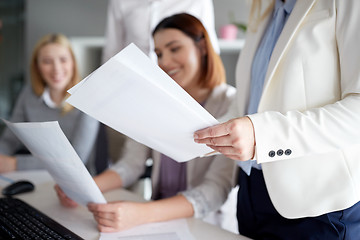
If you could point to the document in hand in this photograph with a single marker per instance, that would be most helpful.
(47, 142)
(132, 95)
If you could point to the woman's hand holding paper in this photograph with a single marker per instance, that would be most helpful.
(117, 216)
(234, 138)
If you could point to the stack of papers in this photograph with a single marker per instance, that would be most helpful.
(132, 95)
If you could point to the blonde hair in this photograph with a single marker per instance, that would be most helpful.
(37, 81)
(256, 13)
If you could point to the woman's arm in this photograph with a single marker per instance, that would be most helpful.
(117, 216)
(7, 163)
(132, 163)
(208, 191)
(108, 180)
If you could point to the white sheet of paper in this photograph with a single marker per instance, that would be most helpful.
(46, 141)
(134, 96)
(169, 230)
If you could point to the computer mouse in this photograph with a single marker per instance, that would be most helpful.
(17, 187)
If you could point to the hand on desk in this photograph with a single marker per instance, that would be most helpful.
(234, 138)
(7, 163)
(111, 217)
(117, 216)
(121, 215)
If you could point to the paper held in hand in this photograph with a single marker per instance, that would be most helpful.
(132, 95)
(47, 142)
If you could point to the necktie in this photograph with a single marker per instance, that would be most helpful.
(259, 68)
(262, 58)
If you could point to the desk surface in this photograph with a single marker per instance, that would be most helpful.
(80, 220)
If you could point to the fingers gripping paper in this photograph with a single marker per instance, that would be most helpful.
(132, 95)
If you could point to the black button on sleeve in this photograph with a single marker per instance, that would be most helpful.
(272, 154)
(280, 152)
(288, 152)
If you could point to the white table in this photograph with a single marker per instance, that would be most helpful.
(80, 220)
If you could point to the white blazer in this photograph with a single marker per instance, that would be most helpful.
(310, 107)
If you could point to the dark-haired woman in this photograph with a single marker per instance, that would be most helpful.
(180, 190)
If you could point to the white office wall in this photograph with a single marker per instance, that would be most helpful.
(71, 17)
(224, 8)
(81, 18)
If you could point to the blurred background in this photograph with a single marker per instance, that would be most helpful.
(23, 22)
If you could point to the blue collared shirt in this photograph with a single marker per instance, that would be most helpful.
(261, 61)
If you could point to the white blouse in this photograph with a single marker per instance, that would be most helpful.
(133, 21)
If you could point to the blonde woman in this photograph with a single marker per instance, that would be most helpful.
(53, 71)
(298, 80)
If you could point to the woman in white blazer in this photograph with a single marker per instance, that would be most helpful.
(189, 189)
(305, 135)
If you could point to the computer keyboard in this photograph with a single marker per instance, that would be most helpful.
(18, 220)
